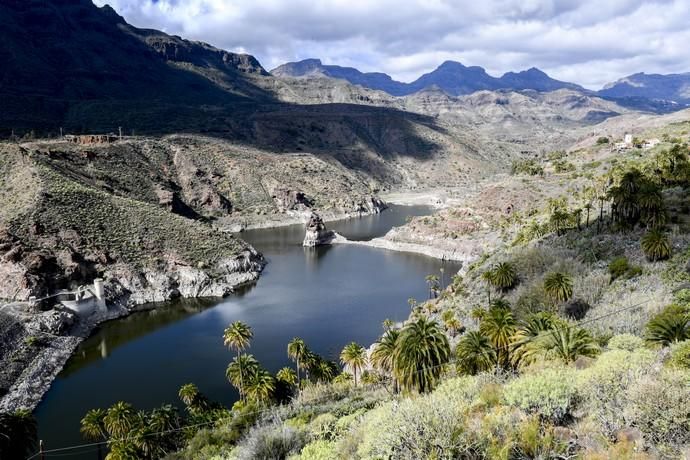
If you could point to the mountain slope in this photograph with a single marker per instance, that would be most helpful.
(63, 58)
(672, 87)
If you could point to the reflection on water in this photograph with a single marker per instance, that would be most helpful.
(329, 296)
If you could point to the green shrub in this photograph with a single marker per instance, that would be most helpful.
(528, 167)
(562, 166)
(318, 450)
(621, 268)
(602, 386)
(658, 405)
(274, 441)
(550, 393)
(680, 355)
(627, 342)
(602, 140)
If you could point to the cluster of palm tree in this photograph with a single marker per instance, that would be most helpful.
(413, 357)
(133, 434)
(504, 342)
(253, 382)
(501, 276)
(314, 367)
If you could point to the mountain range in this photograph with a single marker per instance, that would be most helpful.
(644, 91)
(70, 64)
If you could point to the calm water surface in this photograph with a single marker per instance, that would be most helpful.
(329, 296)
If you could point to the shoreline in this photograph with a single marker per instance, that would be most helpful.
(399, 246)
(29, 389)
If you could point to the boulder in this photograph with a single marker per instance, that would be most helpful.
(316, 233)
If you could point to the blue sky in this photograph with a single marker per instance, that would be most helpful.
(590, 42)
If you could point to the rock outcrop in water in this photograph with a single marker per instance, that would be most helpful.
(316, 232)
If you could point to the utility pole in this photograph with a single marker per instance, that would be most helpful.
(41, 450)
(120, 129)
(61, 135)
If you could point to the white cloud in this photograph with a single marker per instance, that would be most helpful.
(590, 42)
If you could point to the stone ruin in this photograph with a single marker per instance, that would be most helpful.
(316, 233)
(92, 139)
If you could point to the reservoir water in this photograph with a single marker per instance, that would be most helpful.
(328, 296)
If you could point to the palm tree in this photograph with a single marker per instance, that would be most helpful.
(498, 325)
(525, 346)
(18, 434)
(588, 207)
(260, 386)
(432, 281)
(669, 326)
(559, 220)
(453, 326)
(388, 324)
(651, 204)
(488, 278)
(188, 394)
(297, 350)
(655, 245)
(475, 353)
(354, 357)
(325, 370)
(383, 353)
(93, 429)
(503, 276)
(577, 215)
(237, 337)
(287, 376)
(558, 286)
(241, 366)
(163, 422)
(422, 351)
(120, 419)
(567, 343)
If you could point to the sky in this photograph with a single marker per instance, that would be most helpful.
(590, 42)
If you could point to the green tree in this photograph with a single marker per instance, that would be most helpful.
(120, 419)
(383, 354)
(525, 346)
(421, 352)
(567, 343)
(432, 282)
(260, 386)
(504, 276)
(670, 326)
(287, 376)
(241, 366)
(499, 326)
(558, 286)
(354, 357)
(656, 245)
(93, 428)
(237, 337)
(297, 350)
(475, 353)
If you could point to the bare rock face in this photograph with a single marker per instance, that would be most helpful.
(316, 232)
(292, 200)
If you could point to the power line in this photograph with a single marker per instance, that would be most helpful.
(317, 401)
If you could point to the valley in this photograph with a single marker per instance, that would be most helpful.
(509, 275)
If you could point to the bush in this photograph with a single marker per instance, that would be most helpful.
(271, 442)
(529, 167)
(680, 355)
(621, 268)
(602, 386)
(602, 140)
(627, 342)
(658, 405)
(318, 450)
(550, 393)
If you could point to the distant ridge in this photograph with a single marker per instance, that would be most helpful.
(451, 77)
